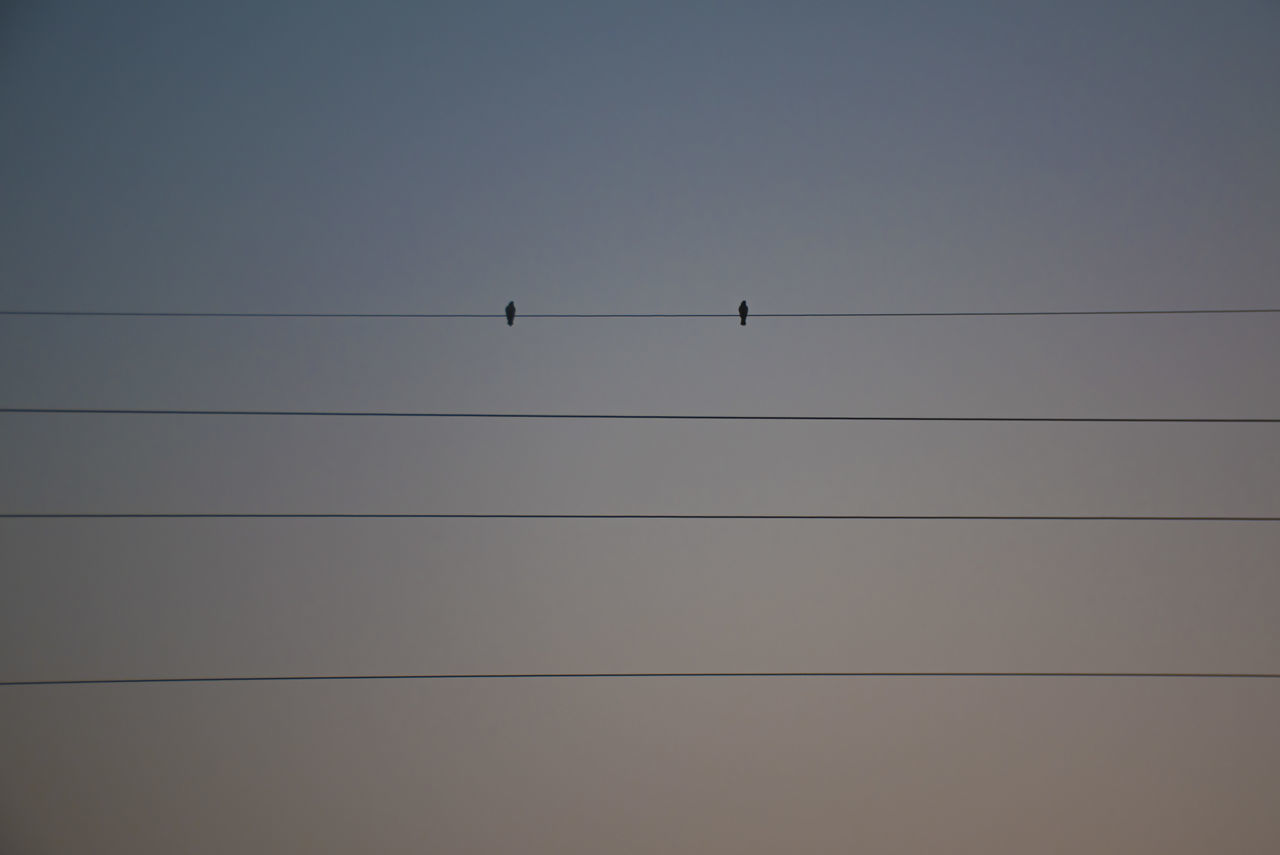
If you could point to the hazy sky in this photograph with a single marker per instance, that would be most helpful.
(608, 157)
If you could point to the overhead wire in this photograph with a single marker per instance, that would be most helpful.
(414, 414)
(67, 313)
(630, 516)
(571, 516)
(618, 675)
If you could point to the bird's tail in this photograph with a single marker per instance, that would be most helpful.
(742, 322)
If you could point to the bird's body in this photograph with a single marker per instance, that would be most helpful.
(511, 313)
(742, 313)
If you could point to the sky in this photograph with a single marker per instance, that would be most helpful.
(633, 158)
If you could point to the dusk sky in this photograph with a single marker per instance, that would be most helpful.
(640, 158)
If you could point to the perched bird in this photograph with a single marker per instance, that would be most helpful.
(742, 312)
(511, 313)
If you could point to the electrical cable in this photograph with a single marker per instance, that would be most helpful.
(405, 414)
(68, 313)
(503, 516)
(615, 675)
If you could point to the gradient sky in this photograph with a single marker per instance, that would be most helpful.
(607, 157)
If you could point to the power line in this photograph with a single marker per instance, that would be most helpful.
(501, 516)
(386, 414)
(621, 675)
(581, 315)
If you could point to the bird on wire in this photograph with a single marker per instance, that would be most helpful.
(742, 313)
(511, 313)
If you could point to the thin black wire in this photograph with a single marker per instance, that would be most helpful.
(119, 411)
(616, 675)
(500, 516)
(491, 316)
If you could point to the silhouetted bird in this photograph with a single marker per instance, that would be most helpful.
(742, 312)
(511, 313)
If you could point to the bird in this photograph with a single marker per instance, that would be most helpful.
(511, 313)
(742, 312)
